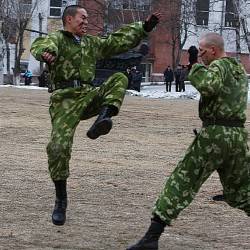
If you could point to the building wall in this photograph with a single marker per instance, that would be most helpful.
(228, 33)
(96, 12)
(160, 51)
(160, 39)
(49, 24)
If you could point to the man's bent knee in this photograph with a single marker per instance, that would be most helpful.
(121, 78)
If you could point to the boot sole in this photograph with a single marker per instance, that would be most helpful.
(101, 128)
(58, 223)
(142, 248)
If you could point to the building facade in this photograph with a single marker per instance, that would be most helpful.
(201, 16)
(228, 18)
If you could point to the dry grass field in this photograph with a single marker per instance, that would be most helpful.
(114, 180)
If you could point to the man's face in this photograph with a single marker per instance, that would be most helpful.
(206, 53)
(78, 23)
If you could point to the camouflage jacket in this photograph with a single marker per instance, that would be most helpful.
(76, 60)
(224, 89)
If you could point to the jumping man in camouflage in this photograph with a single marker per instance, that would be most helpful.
(221, 144)
(71, 55)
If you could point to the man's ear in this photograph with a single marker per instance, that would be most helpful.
(213, 50)
(68, 19)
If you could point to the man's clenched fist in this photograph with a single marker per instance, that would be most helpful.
(152, 21)
(48, 57)
(193, 55)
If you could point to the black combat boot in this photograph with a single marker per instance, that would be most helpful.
(103, 123)
(59, 213)
(219, 197)
(151, 238)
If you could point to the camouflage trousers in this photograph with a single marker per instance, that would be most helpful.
(219, 148)
(71, 105)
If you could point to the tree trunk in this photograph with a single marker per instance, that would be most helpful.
(1, 58)
(9, 79)
(16, 74)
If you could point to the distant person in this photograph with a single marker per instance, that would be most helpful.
(183, 77)
(27, 77)
(129, 76)
(44, 79)
(169, 78)
(177, 75)
(221, 144)
(136, 79)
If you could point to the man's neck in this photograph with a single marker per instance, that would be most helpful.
(70, 31)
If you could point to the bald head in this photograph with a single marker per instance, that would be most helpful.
(213, 39)
(211, 47)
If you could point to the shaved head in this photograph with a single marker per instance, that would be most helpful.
(211, 47)
(213, 39)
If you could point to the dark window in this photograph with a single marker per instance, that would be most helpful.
(55, 12)
(202, 12)
(56, 3)
(55, 8)
(231, 19)
(131, 4)
(125, 4)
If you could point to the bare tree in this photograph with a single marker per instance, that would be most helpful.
(241, 14)
(108, 15)
(16, 17)
(1, 42)
(121, 12)
(178, 24)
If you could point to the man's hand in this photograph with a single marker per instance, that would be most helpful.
(48, 57)
(193, 56)
(152, 21)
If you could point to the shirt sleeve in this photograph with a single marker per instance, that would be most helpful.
(208, 81)
(125, 38)
(48, 43)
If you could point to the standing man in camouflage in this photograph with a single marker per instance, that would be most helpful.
(71, 56)
(221, 144)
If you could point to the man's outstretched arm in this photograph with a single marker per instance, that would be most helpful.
(127, 37)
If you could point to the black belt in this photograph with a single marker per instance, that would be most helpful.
(226, 123)
(68, 84)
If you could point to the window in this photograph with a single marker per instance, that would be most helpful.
(146, 69)
(231, 19)
(144, 5)
(131, 5)
(55, 8)
(202, 12)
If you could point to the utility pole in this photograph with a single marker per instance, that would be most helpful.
(222, 17)
(243, 23)
(237, 28)
(40, 34)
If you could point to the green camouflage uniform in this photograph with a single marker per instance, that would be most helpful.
(76, 60)
(223, 88)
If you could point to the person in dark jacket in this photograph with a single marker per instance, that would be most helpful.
(44, 79)
(136, 78)
(177, 75)
(169, 78)
(183, 77)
